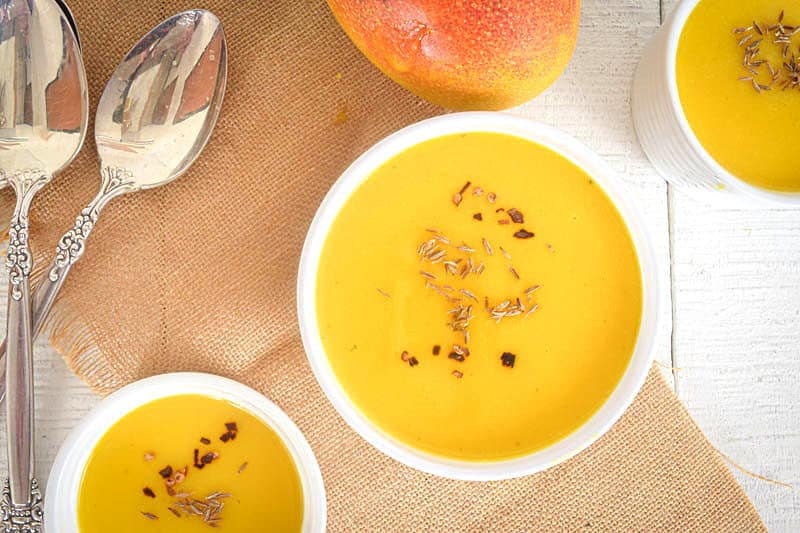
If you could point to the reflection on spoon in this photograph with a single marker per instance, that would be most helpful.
(154, 118)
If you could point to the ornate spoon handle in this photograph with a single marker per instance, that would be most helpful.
(69, 249)
(21, 510)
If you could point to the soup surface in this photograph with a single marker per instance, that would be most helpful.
(744, 106)
(187, 462)
(479, 296)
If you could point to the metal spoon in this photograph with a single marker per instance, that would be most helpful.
(43, 120)
(153, 120)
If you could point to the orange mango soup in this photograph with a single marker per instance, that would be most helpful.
(737, 89)
(190, 463)
(479, 297)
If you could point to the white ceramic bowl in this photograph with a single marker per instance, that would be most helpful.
(63, 485)
(359, 171)
(665, 133)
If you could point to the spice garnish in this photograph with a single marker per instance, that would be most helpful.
(503, 222)
(404, 356)
(241, 468)
(149, 516)
(149, 456)
(165, 472)
(468, 294)
(205, 440)
(456, 356)
(458, 374)
(513, 272)
(516, 215)
(477, 216)
(508, 359)
(384, 293)
(492, 197)
(487, 246)
(532, 310)
(477, 191)
(531, 290)
(505, 253)
(149, 492)
(461, 350)
(524, 234)
(174, 511)
(231, 433)
(413, 361)
(466, 248)
(782, 76)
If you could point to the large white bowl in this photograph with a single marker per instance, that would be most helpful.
(668, 139)
(359, 171)
(63, 485)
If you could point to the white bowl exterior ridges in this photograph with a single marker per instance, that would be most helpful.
(666, 136)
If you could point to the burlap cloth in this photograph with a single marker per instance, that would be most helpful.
(200, 275)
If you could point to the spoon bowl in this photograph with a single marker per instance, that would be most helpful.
(44, 103)
(159, 108)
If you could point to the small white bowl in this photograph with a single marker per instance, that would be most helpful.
(666, 136)
(362, 169)
(63, 485)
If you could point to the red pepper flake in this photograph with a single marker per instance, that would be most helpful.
(458, 374)
(477, 191)
(499, 210)
(478, 217)
(524, 234)
(404, 356)
(231, 433)
(492, 197)
(465, 187)
(436, 349)
(516, 215)
(180, 475)
(508, 359)
(456, 356)
(165, 472)
(170, 491)
(208, 458)
(457, 197)
(503, 222)
(412, 362)
(149, 492)
(205, 440)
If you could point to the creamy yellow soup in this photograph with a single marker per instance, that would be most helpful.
(188, 463)
(747, 119)
(447, 225)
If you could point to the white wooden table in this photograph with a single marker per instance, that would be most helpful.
(731, 279)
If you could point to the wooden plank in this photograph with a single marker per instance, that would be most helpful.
(736, 286)
(737, 339)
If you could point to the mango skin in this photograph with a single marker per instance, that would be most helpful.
(465, 54)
